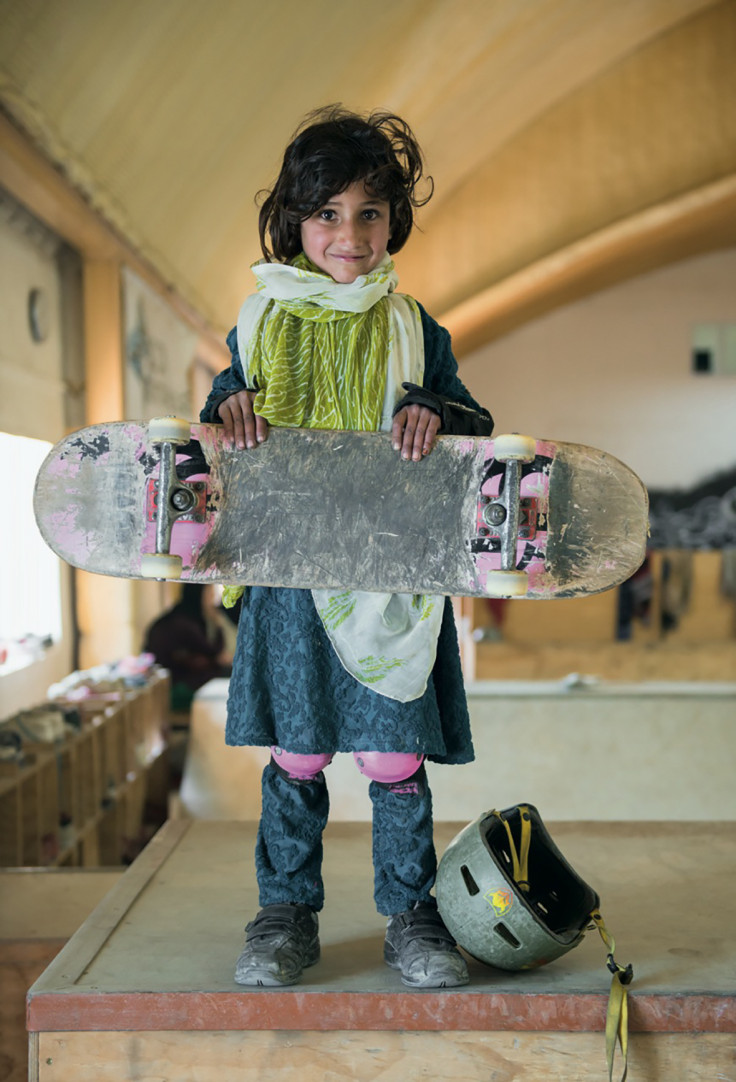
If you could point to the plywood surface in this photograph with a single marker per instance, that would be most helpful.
(377, 1057)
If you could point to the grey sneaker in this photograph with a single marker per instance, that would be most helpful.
(282, 941)
(418, 944)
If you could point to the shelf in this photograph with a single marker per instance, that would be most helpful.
(81, 800)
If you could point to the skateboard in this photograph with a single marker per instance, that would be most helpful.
(506, 517)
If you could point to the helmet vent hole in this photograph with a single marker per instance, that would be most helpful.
(470, 884)
(507, 935)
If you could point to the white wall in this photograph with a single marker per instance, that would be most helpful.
(614, 371)
(31, 387)
(32, 401)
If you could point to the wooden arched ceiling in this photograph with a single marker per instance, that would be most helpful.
(572, 142)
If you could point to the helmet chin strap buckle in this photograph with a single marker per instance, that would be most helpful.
(625, 973)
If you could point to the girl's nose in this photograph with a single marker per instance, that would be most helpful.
(350, 231)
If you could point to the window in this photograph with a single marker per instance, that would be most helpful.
(30, 573)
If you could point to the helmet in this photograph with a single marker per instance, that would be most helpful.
(508, 895)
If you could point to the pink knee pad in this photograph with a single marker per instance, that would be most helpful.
(300, 767)
(388, 766)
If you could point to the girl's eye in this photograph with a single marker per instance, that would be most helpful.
(327, 215)
(370, 214)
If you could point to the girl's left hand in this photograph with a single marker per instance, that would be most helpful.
(414, 430)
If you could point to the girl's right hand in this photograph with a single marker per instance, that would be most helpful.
(242, 426)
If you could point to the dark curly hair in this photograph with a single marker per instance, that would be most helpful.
(330, 150)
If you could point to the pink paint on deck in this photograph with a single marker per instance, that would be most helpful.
(63, 467)
(210, 439)
(547, 448)
(68, 536)
(138, 439)
(539, 579)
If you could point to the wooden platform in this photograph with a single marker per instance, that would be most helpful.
(145, 989)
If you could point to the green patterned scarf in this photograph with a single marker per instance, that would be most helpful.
(317, 363)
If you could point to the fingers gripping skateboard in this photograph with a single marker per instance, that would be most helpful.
(174, 497)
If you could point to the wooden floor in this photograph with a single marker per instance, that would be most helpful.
(144, 990)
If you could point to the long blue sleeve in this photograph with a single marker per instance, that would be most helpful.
(440, 366)
(229, 381)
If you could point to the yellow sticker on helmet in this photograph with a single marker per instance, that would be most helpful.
(500, 901)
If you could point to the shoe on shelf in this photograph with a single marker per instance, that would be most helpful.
(280, 943)
(418, 943)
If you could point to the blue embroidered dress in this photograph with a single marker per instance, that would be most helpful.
(289, 688)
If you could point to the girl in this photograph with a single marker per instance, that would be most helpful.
(326, 342)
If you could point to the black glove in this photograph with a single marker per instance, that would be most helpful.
(457, 419)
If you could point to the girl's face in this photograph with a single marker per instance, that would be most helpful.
(349, 235)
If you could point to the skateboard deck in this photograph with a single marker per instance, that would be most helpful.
(342, 510)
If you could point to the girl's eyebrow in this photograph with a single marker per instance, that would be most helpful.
(372, 200)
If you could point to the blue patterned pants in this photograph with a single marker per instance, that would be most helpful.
(289, 844)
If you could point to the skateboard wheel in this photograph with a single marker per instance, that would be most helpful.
(160, 565)
(169, 430)
(522, 448)
(506, 584)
